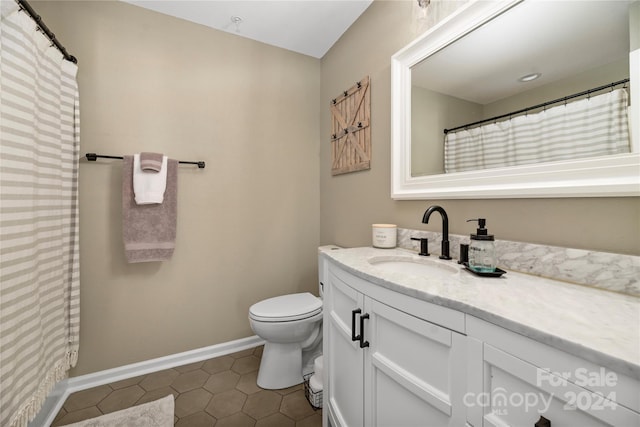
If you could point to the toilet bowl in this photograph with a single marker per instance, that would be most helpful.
(290, 325)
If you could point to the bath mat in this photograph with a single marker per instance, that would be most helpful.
(158, 413)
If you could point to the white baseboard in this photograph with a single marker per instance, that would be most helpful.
(64, 388)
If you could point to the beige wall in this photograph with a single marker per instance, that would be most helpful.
(634, 26)
(248, 224)
(351, 203)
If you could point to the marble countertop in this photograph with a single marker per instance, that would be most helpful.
(600, 326)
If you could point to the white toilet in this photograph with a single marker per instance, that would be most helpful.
(291, 326)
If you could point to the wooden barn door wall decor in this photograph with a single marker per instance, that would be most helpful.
(350, 129)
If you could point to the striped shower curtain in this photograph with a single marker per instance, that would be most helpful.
(590, 127)
(39, 266)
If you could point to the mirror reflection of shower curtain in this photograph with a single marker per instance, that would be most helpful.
(39, 265)
(589, 127)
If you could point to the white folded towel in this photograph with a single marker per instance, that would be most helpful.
(315, 386)
(149, 187)
(317, 367)
(315, 382)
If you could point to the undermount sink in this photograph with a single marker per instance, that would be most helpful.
(414, 266)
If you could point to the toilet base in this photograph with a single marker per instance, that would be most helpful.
(281, 366)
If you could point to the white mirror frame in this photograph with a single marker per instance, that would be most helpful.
(610, 176)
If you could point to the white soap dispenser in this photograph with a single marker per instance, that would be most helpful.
(482, 252)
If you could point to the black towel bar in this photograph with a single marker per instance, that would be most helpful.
(92, 157)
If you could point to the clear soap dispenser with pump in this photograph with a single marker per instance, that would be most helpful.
(482, 251)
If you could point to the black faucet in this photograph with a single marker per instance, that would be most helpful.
(445, 228)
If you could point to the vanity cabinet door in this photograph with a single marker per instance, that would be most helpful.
(343, 379)
(516, 393)
(385, 367)
(414, 371)
(514, 379)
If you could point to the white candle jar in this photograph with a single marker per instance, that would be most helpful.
(384, 235)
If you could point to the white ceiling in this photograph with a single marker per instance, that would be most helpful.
(555, 38)
(309, 27)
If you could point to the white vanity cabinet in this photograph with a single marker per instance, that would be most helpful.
(392, 360)
(513, 380)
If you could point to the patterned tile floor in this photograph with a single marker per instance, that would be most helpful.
(220, 392)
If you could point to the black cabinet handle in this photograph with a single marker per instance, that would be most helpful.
(542, 422)
(363, 343)
(355, 337)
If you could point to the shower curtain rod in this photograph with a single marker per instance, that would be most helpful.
(555, 101)
(47, 32)
(92, 157)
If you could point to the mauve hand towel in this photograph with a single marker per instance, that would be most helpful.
(151, 162)
(149, 231)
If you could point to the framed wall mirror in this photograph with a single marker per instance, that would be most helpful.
(475, 70)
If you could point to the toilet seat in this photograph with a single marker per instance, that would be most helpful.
(286, 308)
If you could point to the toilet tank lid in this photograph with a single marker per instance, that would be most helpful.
(286, 305)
